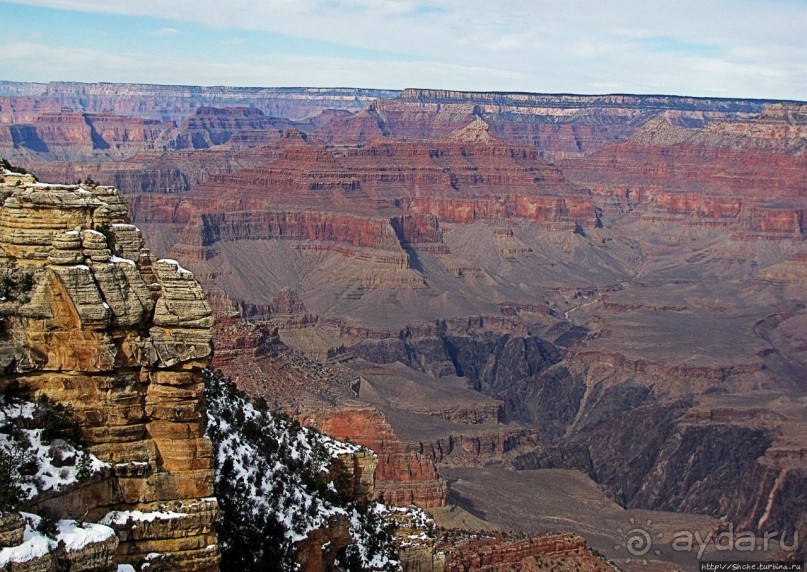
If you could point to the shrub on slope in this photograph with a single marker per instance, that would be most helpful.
(273, 486)
(39, 449)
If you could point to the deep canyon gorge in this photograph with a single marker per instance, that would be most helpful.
(544, 314)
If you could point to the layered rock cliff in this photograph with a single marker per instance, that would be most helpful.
(323, 396)
(175, 102)
(121, 339)
(541, 314)
(744, 175)
(558, 125)
(322, 538)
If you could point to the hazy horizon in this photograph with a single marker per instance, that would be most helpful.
(746, 49)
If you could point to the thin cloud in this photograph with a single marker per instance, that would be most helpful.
(294, 70)
(166, 31)
(686, 47)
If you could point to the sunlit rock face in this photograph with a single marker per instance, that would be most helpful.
(121, 338)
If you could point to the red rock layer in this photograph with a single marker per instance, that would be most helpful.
(556, 551)
(320, 396)
(306, 173)
(67, 134)
(692, 168)
(568, 210)
(22, 109)
(495, 446)
(143, 154)
(748, 174)
(403, 476)
(209, 228)
(557, 125)
(211, 126)
(176, 102)
(384, 197)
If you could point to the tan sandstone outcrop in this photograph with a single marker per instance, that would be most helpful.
(11, 529)
(121, 338)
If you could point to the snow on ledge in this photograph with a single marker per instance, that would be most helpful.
(76, 536)
(34, 545)
(72, 535)
(121, 517)
(48, 476)
(119, 259)
(175, 263)
(54, 186)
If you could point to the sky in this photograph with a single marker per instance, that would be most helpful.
(717, 48)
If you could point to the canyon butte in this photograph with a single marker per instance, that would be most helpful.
(542, 312)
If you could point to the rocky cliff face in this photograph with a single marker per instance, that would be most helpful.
(403, 476)
(121, 338)
(175, 102)
(557, 125)
(211, 126)
(323, 396)
(69, 136)
(744, 175)
(496, 554)
(494, 308)
(589, 408)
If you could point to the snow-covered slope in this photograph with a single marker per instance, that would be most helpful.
(275, 489)
(38, 451)
(275, 481)
(68, 535)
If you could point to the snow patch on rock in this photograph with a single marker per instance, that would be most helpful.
(73, 535)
